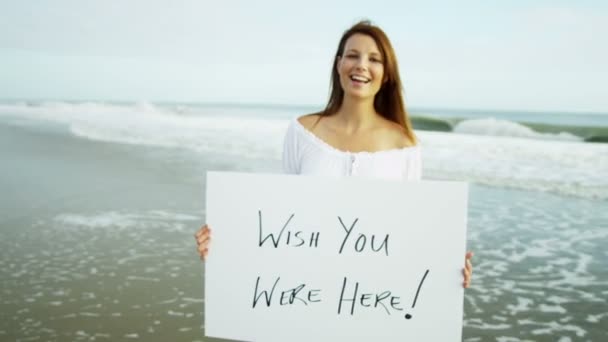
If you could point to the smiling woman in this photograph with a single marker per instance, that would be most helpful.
(366, 54)
(360, 65)
(364, 131)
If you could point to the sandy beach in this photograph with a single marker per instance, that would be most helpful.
(97, 241)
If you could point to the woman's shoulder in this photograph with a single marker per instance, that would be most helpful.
(309, 121)
(395, 135)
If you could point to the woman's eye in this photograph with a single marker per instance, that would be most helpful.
(351, 56)
(375, 60)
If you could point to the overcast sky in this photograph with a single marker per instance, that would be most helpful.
(518, 55)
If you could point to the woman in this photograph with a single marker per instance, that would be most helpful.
(364, 130)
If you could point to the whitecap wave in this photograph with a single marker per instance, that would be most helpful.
(566, 166)
(563, 167)
(505, 128)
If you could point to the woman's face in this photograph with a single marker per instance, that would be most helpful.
(361, 67)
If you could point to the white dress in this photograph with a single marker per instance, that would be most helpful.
(306, 154)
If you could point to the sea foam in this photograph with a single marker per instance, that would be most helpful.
(487, 151)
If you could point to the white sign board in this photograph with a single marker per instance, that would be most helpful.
(297, 258)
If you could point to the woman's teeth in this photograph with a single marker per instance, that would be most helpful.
(359, 79)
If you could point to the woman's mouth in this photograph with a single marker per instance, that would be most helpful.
(359, 79)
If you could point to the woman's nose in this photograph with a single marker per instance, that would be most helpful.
(361, 64)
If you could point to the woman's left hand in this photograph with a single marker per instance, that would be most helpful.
(467, 271)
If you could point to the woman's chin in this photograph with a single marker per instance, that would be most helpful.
(358, 94)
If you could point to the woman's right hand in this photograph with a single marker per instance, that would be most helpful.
(203, 237)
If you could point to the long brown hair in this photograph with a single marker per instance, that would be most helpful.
(388, 102)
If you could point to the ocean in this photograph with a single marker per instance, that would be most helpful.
(101, 200)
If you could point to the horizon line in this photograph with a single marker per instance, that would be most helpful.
(237, 103)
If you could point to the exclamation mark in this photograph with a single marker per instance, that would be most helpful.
(408, 316)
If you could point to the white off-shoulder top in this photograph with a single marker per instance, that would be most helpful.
(306, 154)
